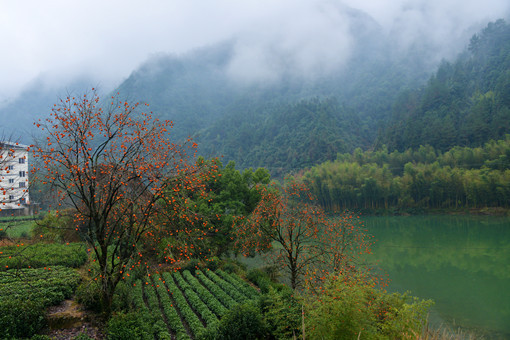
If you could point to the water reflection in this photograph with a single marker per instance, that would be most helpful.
(461, 262)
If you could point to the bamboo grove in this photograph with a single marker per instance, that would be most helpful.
(461, 178)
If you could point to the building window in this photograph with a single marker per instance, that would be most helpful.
(11, 180)
(22, 174)
(10, 167)
(22, 161)
(11, 197)
(21, 184)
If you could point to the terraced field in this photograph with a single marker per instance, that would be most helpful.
(25, 293)
(183, 304)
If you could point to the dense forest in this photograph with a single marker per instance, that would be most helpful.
(419, 178)
(291, 137)
(466, 102)
(380, 97)
(445, 147)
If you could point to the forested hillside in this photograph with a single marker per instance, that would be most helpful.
(380, 97)
(295, 123)
(292, 122)
(288, 137)
(420, 178)
(446, 145)
(466, 102)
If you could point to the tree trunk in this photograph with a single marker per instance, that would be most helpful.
(293, 275)
(106, 302)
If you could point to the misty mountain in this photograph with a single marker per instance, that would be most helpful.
(292, 122)
(289, 137)
(295, 119)
(18, 115)
(466, 102)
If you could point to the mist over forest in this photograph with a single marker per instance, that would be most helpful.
(302, 163)
(292, 100)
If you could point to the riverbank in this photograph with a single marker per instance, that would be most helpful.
(485, 211)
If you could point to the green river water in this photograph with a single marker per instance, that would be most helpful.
(461, 262)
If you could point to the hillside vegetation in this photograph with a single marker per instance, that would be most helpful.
(466, 102)
(420, 178)
(381, 97)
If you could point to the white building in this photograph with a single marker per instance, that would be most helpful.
(14, 197)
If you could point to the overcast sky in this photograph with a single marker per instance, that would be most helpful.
(58, 40)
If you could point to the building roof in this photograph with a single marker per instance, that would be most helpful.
(14, 145)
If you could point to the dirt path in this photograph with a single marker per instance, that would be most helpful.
(69, 319)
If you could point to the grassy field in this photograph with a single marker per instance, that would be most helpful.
(17, 229)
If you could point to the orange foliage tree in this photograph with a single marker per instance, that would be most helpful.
(300, 238)
(117, 167)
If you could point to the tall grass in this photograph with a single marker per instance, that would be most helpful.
(447, 333)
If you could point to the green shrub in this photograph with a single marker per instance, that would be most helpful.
(229, 267)
(259, 278)
(272, 272)
(88, 294)
(20, 319)
(255, 274)
(282, 312)
(191, 265)
(234, 267)
(244, 322)
(350, 306)
(133, 325)
(61, 228)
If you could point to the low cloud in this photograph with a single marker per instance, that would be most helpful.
(304, 39)
(105, 40)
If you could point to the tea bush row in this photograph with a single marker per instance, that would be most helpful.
(24, 295)
(209, 299)
(159, 322)
(238, 283)
(216, 290)
(193, 299)
(187, 312)
(172, 316)
(42, 255)
(232, 290)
